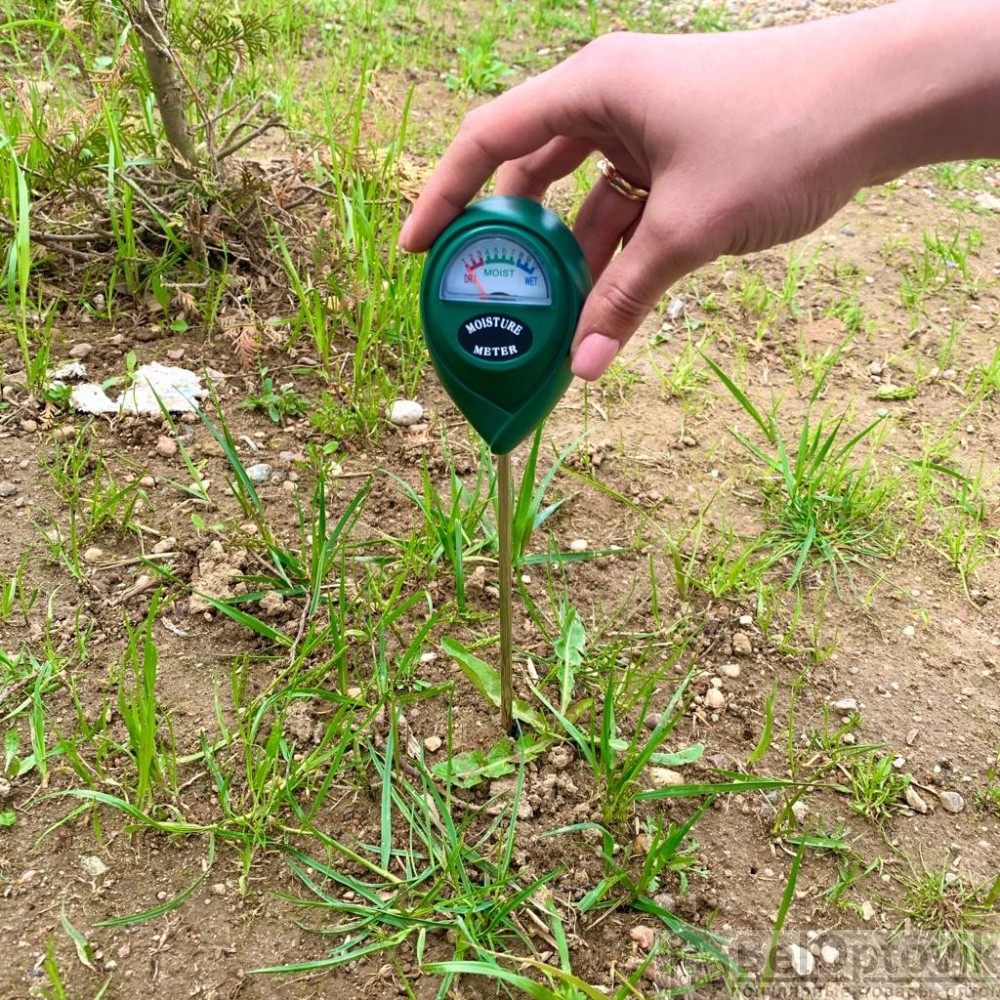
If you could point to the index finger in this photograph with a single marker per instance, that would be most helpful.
(518, 122)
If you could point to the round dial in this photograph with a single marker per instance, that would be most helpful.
(496, 268)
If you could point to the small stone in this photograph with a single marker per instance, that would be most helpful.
(652, 720)
(218, 888)
(578, 545)
(405, 412)
(81, 350)
(642, 845)
(5, 789)
(147, 482)
(988, 201)
(29, 425)
(829, 954)
(741, 644)
(800, 810)
(664, 777)
(166, 446)
(676, 309)
(7, 488)
(914, 800)
(643, 936)
(175, 353)
(802, 961)
(259, 473)
(167, 544)
(93, 555)
(951, 802)
(354, 692)
(93, 866)
(432, 744)
(867, 911)
(911, 737)
(715, 699)
(909, 631)
(730, 670)
(845, 705)
(272, 603)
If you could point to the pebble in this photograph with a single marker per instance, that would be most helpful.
(147, 482)
(432, 744)
(867, 911)
(715, 699)
(259, 473)
(218, 888)
(988, 201)
(914, 800)
(405, 412)
(167, 544)
(29, 425)
(7, 489)
(93, 866)
(676, 309)
(909, 631)
(846, 705)
(578, 545)
(5, 789)
(643, 936)
(951, 802)
(829, 954)
(354, 692)
(80, 350)
(664, 777)
(166, 446)
(802, 960)
(730, 670)
(800, 810)
(93, 555)
(741, 644)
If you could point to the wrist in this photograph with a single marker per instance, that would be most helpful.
(928, 80)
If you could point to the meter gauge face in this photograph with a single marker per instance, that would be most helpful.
(497, 269)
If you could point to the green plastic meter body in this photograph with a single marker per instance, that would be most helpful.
(501, 293)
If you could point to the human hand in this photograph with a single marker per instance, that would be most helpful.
(744, 140)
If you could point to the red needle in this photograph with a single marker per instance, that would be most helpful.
(483, 294)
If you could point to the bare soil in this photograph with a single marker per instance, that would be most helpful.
(919, 653)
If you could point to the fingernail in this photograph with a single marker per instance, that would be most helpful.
(593, 355)
(401, 241)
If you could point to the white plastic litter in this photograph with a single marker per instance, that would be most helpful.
(91, 398)
(176, 388)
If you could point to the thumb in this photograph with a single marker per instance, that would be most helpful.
(654, 258)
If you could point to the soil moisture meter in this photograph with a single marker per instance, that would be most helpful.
(501, 293)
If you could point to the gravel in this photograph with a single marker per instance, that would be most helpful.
(259, 473)
(802, 960)
(405, 412)
(951, 802)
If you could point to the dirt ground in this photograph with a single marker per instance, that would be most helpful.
(902, 642)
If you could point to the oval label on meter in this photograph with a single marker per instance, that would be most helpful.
(495, 337)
